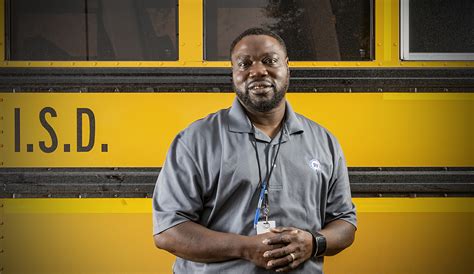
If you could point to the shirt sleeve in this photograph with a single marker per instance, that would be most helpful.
(177, 194)
(339, 201)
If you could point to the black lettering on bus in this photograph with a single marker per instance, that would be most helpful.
(90, 115)
(49, 128)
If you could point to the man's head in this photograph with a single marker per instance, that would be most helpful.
(260, 72)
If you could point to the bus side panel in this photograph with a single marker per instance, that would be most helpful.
(396, 235)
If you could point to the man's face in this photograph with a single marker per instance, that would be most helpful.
(260, 72)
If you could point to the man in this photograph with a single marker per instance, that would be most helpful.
(231, 176)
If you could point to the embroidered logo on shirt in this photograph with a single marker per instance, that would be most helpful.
(315, 165)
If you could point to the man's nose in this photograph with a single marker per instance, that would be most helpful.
(258, 70)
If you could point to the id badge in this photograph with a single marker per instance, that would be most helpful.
(264, 226)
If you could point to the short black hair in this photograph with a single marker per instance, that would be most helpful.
(257, 31)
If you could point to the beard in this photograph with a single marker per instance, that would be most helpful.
(261, 104)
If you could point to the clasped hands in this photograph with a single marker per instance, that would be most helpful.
(283, 248)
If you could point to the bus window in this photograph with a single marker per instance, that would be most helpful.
(437, 30)
(58, 30)
(314, 30)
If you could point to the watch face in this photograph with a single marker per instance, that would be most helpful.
(320, 239)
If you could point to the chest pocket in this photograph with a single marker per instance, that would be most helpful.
(300, 174)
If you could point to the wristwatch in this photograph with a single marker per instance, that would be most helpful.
(319, 244)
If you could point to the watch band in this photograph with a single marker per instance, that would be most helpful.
(319, 244)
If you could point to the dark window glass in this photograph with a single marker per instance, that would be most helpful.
(329, 30)
(441, 26)
(92, 30)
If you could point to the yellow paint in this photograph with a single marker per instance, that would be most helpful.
(191, 45)
(394, 24)
(77, 206)
(395, 235)
(375, 129)
(226, 64)
(387, 31)
(191, 32)
(143, 205)
(421, 243)
(429, 96)
(407, 205)
(379, 30)
(387, 34)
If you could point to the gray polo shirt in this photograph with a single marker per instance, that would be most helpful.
(211, 177)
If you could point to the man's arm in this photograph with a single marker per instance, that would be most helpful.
(192, 241)
(177, 204)
(339, 235)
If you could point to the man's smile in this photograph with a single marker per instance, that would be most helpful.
(260, 87)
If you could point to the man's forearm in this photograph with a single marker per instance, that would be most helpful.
(339, 235)
(195, 242)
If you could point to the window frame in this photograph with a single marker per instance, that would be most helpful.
(371, 52)
(407, 55)
(7, 48)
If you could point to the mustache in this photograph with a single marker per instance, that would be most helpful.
(259, 82)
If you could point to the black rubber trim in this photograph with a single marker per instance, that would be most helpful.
(140, 182)
(219, 80)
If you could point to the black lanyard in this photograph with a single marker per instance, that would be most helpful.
(263, 197)
(269, 172)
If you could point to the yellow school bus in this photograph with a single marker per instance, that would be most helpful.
(92, 92)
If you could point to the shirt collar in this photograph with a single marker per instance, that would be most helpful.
(239, 121)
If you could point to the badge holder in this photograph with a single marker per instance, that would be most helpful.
(264, 226)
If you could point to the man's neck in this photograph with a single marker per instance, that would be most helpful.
(268, 122)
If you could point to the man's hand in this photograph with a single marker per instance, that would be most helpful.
(256, 248)
(297, 248)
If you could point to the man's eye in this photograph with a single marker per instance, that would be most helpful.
(243, 64)
(271, 61)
